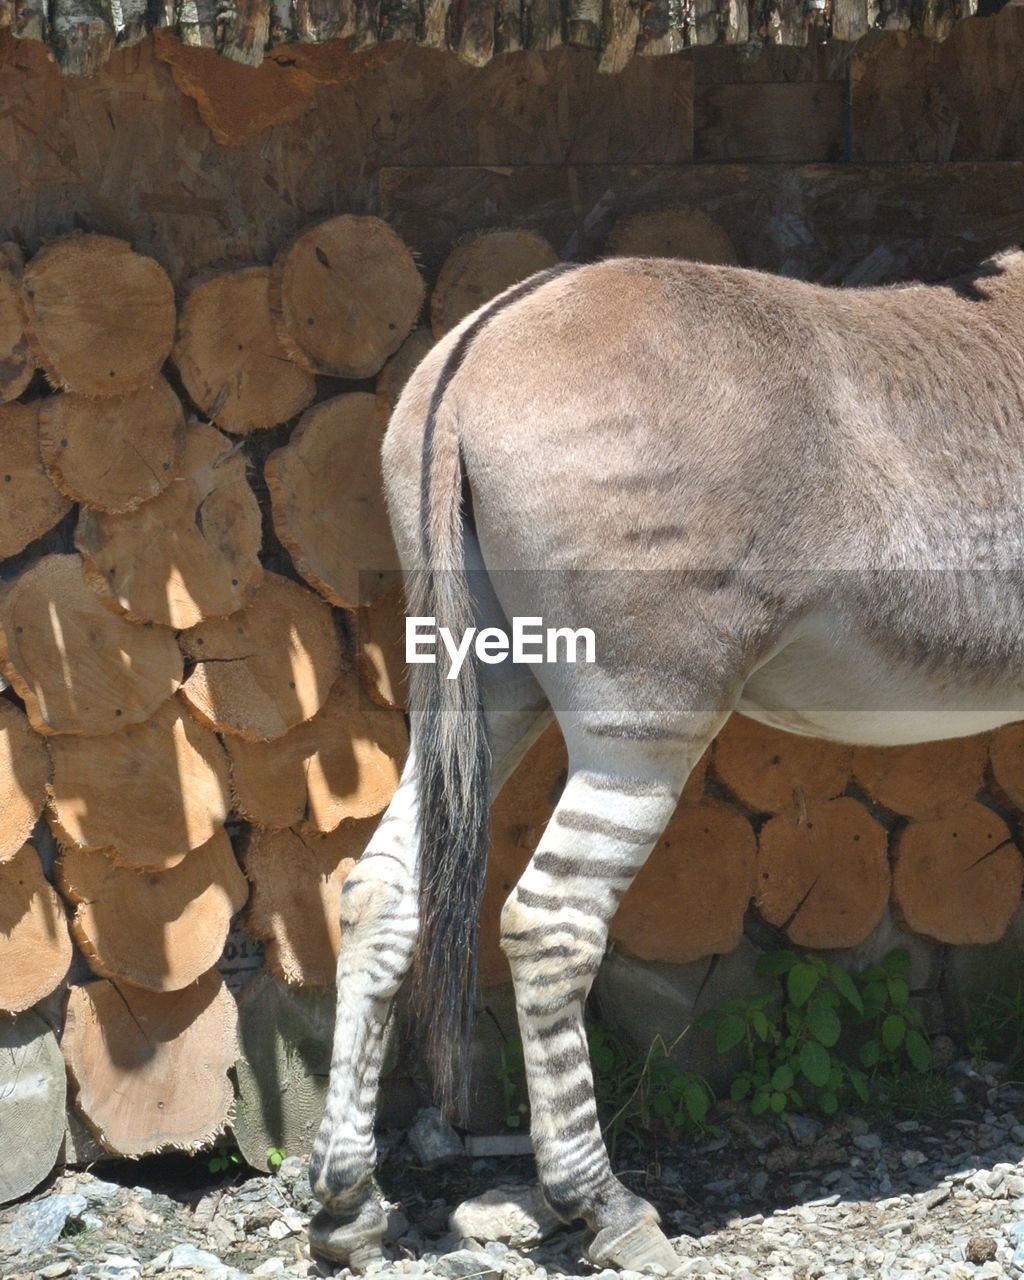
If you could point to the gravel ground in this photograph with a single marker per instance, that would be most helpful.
(852, 1198)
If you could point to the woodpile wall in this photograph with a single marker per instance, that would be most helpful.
(211, 292)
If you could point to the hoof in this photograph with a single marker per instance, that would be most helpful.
(637, 1248)
(355, 1243)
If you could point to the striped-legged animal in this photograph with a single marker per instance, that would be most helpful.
(802, 502)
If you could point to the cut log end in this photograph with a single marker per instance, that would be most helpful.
(115, 453)
(16, 361)
(30, 504)
(229, 356)
(151, 1070)
(33, 1103)
(24, 774)
(188, 554)
(958, 876)
(332, 464)
(268, 667)
(680, 231)
(344, 296)
(155, 929)
(769, 771)
(480, 269)
(78, 667)
(296, 897)
(35, 946)
(381, 638)
(922, 780)
(396, 373)
(102, 316)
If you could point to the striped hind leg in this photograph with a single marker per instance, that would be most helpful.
(554, 930)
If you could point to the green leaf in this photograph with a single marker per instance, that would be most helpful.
(696, 1101)
(829, 1102)
(731, 1031)
(775, 964)
(778, 1102)
(759, 1102)
(847, 988)
(918, 1051)
(870, 1053)
(815, 1062)
(893, 1030)
(896, 962)
(783, 1077)
(760, 1024)
(899, 992)
(800, 983)
(860, 1084)
(739, 1088)
(823, 1024)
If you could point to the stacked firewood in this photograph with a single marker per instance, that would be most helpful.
(201, 635)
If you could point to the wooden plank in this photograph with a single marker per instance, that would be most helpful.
(795, 122)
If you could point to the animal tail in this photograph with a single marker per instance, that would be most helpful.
(452, 753)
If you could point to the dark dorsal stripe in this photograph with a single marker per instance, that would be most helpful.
(451, 367)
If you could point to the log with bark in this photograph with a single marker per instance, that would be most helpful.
(328, 504)
(188, 554)
(769, 771)
(77, 665)
(33, 1103)
(268, 667)
(155, 929)
(340, 765)
(29, 502)
(396, 373)
(679, 231)
(113, 453)
(151, 1069)
(823, 875)
(229, 357)
(35, 946)
(344, 296)
(101, 317)
(149, 794)
(24, 775)
(689, 899)
(958, 876)
(480, 269)
(295, 905)
(16, 361)
(922, 780)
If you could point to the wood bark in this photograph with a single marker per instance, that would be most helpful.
(33, 1103)
(149, 794)
(243, 31)
(480, 269)
(958, 876)
(920, 781)
(229, 356)
(342, 764)
(295, 905)
(35, 946)
(16, 362)
(328, 503)
(114, 453)
(24, 775)
(399, 369)
(151, 1069)
(824, 877)
(29, 502)
(689, 899)
(679, 231)
(160, 930)
(101, 316)
(435, 23)
(77, 666)
(477, 36)
(622, 25)
(83, 35)
(268, 667)
(380, 635)
(190, 553)
(773, 772)
(344, 296)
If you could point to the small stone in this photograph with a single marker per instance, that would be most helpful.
(516, 1215)
(867, 1141)
(980, 1249)
(433, 1140)
(272, 1267)
(187, 1255)
(279, 1229)
(55, 1269)
(42, 1222)
(464, 1263)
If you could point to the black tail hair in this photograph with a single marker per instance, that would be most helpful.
(453, 758)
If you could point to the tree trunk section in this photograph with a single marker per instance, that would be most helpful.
(16, 362)
(24, 776)
(680, 231)
(922, 780)
(33, 1103)
(771, 772)
(29, 503)
(380, 630)
(35, 947)
(480, 269)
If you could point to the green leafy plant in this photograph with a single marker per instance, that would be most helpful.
(995, 1028)
(276, 1158)
(512, 1078)
(821, 1038)
(224, 1160)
